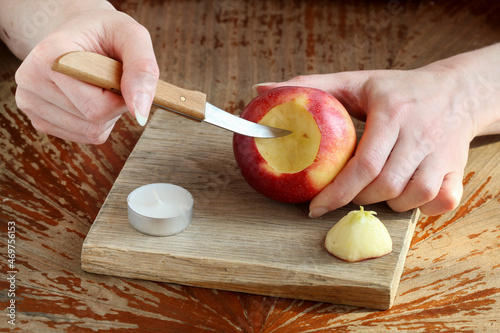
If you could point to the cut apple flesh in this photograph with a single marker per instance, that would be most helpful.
(295, 152)
(357, 236)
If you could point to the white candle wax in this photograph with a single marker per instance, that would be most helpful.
(160, 200)
(160, 209)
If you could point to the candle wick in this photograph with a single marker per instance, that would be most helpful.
(157, 196)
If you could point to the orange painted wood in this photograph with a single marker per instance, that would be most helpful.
(53, 189)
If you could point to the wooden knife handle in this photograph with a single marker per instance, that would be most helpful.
(106, 73)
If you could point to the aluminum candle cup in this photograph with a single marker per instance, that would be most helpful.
(160, 209)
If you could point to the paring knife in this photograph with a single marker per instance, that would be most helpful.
(106, 73)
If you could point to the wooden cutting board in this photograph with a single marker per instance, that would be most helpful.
(238, 239)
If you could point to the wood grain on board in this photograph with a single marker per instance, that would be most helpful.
(53, 189)
(238, 240)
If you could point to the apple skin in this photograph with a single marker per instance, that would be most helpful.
(337, 144)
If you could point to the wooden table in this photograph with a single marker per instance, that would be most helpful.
(51, 190)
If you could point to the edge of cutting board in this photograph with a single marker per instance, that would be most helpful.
(264, 247)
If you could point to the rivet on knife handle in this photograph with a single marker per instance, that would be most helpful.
(106, 73)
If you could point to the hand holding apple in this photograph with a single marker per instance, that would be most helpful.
(296, 167)
(419, 124)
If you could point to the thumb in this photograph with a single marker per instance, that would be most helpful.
(140, 70)
(139, 85)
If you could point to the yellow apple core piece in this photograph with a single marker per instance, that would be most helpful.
(358, 236)
(294, 152)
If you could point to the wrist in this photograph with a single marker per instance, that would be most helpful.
(476, 76)
(25, 23)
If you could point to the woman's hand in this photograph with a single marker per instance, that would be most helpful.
(67, 108)
(419, 124)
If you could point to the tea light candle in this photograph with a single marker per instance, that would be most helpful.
(160, 209)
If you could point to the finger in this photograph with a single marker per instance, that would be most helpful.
(326, 82)
(78, 98)
(81, 99)
(399, 169)
(43, 126)
(140, 69)
(368, 161)
(448, 197)
(50, 119)
(33, 104)
(347, 87)
(423, 187)
(94, 104)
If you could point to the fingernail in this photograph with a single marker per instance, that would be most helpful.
(317, 212)
(142, 104)
(256, 86)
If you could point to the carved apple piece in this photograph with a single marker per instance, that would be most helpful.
(358, 236)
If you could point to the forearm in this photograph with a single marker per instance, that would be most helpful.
(477, 77)
(24, 23)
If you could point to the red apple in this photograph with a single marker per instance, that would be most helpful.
(296, 167)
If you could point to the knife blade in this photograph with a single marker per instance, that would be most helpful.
(106, 73)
